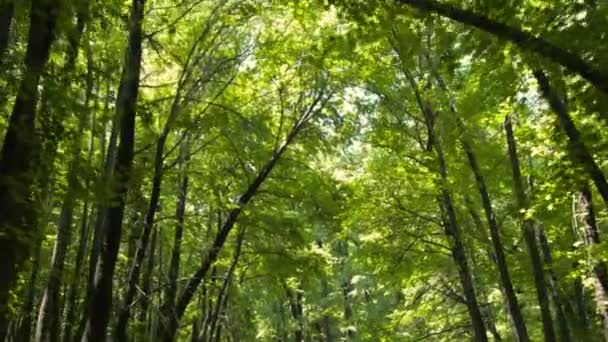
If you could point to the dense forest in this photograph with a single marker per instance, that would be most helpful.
(347, 170)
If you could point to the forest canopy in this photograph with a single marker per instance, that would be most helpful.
(345, 170)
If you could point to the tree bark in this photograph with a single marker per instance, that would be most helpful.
(530, 236)
(101, 301)
(497, 245)
(18, 151)
(524, 40)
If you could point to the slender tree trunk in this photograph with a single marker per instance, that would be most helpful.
(47, 328)
(18, 151)
(452, 228)
(145, 317)
(530, 236)
(213, 252)
(592, 238)
(223, 291)
(7, 11)
(524, 40)
(295, 304)
(576, 147)
(99, 224)
(25, 327)
(497, 245)
(563, 327)
(171, 290)
(101, 301)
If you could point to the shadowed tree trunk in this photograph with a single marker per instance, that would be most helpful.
(47, 328)
(18, 151)
(530, 236)
(7, 12)
(101, 301)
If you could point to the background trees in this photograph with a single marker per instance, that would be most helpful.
(309, 171)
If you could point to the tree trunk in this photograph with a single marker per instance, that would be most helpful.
(223, 291)
(530, 236)
(576, 147)
(7, 11)
(18, 151)
(146, 286)
(525, 40)
(99, 224)
(295, 305)
(452, 229)
(592, 238)
(101, 301)
(47, 328)
(25, 327)
(497, 245)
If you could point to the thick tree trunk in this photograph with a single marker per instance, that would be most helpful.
(501, 261)
(525, 40)
(7, 12)
(18, 151)
(592, 238)
(530, 236)
(101, 301)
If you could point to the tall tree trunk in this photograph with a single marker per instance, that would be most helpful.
(101, 301)
(25, 327)
(47, 328)
(180, 209)
(100, 216)
(592, 238)
(525, 40)
(223, 291)
(452, 229)
(7, 12)
(497, 245)
(576, 147)
(168, 332)
(18, 151)
(530, 236)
